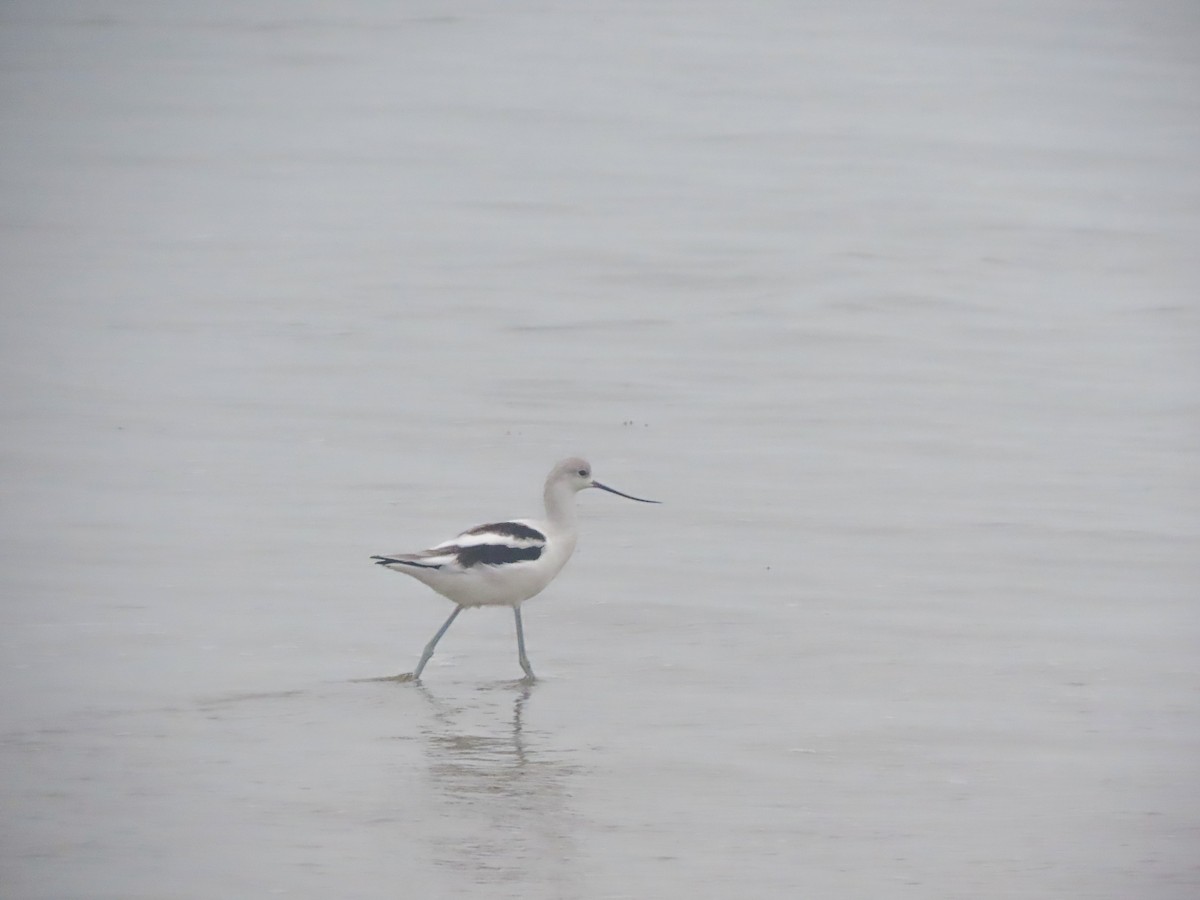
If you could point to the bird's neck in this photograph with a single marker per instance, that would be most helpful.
(560, 506)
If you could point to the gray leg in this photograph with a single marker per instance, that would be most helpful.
(521, 644)
(433, 643)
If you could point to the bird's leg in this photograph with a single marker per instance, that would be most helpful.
(433, 643)
(521, 644)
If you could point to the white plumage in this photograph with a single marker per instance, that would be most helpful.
(504, 563)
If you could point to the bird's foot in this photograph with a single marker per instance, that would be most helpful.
(407, 676)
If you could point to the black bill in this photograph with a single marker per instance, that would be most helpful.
(605, 487)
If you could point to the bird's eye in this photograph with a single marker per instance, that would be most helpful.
(583, 473)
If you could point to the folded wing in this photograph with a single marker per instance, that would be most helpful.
(495, 544)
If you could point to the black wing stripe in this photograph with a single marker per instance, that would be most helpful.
(389, 561)
(509, 529)
(493, 554)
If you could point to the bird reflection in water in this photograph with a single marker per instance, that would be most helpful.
(504, 818)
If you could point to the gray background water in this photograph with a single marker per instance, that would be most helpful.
(894, 306)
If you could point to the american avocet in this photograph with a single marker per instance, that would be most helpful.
(504, 563)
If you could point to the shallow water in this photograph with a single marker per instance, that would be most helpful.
(896, 311)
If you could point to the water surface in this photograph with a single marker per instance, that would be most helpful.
(894, 308)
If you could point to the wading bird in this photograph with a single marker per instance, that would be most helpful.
(504, 563)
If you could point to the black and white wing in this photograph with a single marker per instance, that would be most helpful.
(495, 544)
